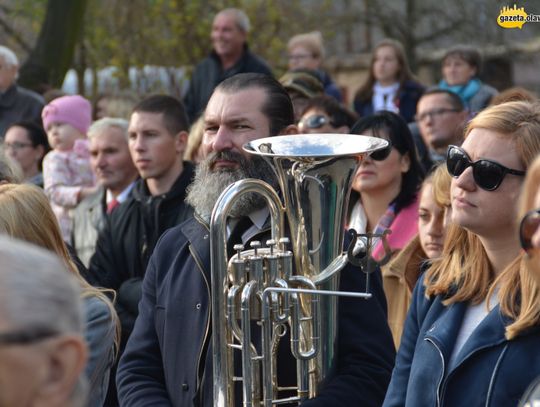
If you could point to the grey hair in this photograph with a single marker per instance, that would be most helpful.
(37, 290)
(10, 170)
(100, 125)
(241, 18)
(313, 41)
(8, 56)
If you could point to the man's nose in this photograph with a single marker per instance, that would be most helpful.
(138, 143)
(101, 161)
(223, 140)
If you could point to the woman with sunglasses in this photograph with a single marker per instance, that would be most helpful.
(529, 235)
(384, 198)
(472, 334)
(385, 186)
(529, 227)
(323, 114)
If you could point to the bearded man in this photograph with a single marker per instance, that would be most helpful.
(169, 358)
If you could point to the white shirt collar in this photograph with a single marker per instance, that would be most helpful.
(122, 196)
(258, 218)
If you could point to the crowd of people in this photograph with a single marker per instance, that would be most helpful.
(113, 307)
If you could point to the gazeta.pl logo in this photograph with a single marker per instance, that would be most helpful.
(516, 17)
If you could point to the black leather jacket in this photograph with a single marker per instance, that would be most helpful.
(128, 239)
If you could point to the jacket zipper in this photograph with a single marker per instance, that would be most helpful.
(442, 373)
(199, 266)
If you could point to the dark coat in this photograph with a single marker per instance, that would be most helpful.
(330, 88)
(130, 234)
(209, 73)
(408, 96)
(18, 104)
(164, 363)
(489, 370)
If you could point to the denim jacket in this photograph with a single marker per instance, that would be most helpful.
(489, 370)
(99, 335)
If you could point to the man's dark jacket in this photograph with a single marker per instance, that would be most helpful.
(19, 104)
(209, 73)
(168, 359)
(129, 237)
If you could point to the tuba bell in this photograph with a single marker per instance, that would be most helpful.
(284, 289)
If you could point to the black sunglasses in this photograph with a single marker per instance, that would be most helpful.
(487, 174)
(527, 227)
(383, 153)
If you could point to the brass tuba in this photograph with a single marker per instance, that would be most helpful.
(284, 289)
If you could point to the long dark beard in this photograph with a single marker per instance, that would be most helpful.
(208, 184)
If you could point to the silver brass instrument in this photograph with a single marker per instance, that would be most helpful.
(284, 288)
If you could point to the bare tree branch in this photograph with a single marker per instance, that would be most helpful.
(14, 34)
(439, 32)
(5, 8)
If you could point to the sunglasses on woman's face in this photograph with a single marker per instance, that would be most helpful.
(487, 174)
(315, 121)
(382, 154)
(527, 228)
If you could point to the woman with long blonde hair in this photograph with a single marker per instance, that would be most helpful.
(25, 214)
(529, 234)
(402, 272)
(474, 322)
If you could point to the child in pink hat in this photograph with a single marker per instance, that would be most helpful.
(67, 175)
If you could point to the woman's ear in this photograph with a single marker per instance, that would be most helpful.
(405, 163)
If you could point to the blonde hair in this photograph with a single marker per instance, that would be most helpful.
(440, 180)
(464, 273)
(10, 170)
(194, 140)
(25, 214)
(121, 105)
(312, 41)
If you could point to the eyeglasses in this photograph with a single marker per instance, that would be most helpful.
(487, 174)
(382, 154)
(16, 145)
(315, 121)
(27, 336)
(434, 113)
(527, 228)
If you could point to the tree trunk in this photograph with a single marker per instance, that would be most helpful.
(53, 53)
(409, 42)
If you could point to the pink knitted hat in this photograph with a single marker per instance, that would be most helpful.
(74, 110)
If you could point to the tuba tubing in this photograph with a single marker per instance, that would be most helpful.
(223, 364)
